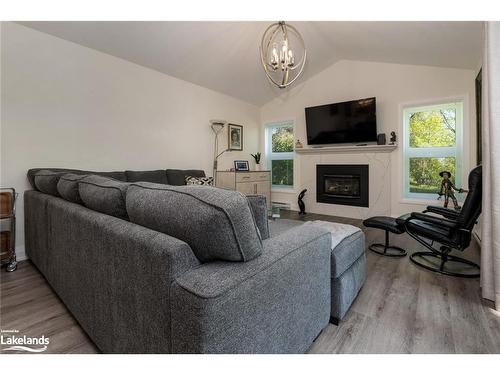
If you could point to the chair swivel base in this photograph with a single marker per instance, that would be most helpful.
(419, 258)
(388, 251)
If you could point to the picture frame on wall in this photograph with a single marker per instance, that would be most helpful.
(235, 137)
(241, 166)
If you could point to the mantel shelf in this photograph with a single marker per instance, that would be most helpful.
(346, 149)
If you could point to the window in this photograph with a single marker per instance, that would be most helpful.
(279, 153)
(432, 143)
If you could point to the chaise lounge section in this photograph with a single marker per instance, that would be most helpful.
(135, 289)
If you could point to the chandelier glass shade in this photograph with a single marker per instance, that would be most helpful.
(282, 54)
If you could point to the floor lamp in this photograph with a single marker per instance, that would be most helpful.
(217, 126)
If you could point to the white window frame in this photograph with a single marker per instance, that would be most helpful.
(270, 155)
(456, 151)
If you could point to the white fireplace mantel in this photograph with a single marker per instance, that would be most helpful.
(346, 149)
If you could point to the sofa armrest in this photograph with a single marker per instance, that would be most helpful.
(276, 303)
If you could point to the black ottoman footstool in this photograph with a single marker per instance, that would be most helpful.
(389, 224)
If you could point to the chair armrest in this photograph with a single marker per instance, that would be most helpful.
(449, 214)
(448, 224)
(249, 307)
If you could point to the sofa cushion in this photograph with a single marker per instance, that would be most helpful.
(158, 176)
(46, 181)
(177, 177)
(68, 187)
(216, 223)
(33, 171)
(104, 195)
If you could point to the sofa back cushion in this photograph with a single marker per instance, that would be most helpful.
(158, 177)
(68, 187)
(218, 224)
(177, 177)
(46, 181)
(104, 195)
(33, 171)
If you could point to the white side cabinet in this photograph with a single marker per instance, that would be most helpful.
(248, 183)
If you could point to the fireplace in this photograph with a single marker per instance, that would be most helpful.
(345, 184)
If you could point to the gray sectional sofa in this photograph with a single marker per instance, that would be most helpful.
(147, 267)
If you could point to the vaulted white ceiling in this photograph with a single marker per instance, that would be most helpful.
(224, 56)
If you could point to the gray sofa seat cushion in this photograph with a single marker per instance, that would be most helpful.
(158, 176)
(217, 278)
(46, 181)
(31, 174)
(68, 187)
(258, 204)
(104, 195)
(177, 177)
(218, 224)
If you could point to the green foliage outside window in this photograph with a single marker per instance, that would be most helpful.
(282, 139)
(433, 129)
(282, 172)
(424, 173)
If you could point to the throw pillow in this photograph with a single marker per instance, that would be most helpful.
(205, 181)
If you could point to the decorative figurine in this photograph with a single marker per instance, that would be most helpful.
(302, 206)
(393, 138)
(298, 144)
(447, 188)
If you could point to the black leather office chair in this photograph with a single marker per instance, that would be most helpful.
(451, 231)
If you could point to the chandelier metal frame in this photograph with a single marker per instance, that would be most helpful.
(269, 68)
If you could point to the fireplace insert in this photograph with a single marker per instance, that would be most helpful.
(345, 184)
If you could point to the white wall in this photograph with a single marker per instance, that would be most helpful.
(393, 85)
(64, 105)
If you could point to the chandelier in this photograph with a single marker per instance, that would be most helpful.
(278, 59)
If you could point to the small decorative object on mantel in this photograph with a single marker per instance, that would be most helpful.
(301, 203)
(256, 157)
(298, 144)
(381, 139)
(447, 188)
(241, 165)
(393, 138)
(235, 137)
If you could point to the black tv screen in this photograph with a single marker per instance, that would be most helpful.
(346, 122)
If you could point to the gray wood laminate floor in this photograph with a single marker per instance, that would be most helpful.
(400, 309)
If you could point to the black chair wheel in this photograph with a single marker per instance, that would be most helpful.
(420, 256)
(388, 251)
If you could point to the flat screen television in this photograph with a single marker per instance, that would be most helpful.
(347, 122)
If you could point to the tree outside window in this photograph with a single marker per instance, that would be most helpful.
(432, 145)
(279, 153)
